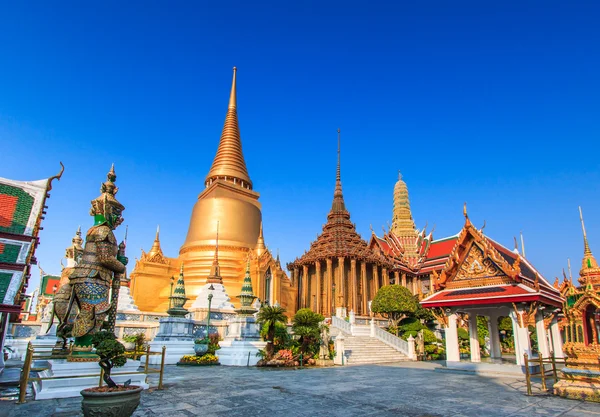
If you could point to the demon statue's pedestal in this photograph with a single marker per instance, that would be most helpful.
(100, 268)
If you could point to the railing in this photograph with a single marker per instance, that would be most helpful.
(542, 373)
(341, 324)
(391, 340)
(31, 356)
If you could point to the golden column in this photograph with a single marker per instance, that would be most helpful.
(305, 293)
(396, 277)
(354, 304)
(342, 286)
(318, 286)
(404, 279)
(330, 300)
(375, 281)
(363, 278)
(386, 277)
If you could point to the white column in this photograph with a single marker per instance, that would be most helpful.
(473, 340)
(543, 348)
(339, 350)
(451, 337)
(411, 348)
(495, 347)
(557, 342)
(521, 336)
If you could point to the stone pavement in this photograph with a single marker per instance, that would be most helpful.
(403, 389)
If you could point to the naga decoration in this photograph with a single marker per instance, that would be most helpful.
(101, 264)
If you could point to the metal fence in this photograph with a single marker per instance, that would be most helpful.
(31, 355)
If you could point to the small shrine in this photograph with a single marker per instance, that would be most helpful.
(483, 278)
(581, 330)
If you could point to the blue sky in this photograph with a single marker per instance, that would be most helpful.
(496, 105)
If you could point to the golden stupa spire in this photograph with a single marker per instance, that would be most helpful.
(260, 245)
(215, 270)
(589, 265)
(155, 249)
(402, 221)
(229, 163)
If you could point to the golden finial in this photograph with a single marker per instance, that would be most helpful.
(112, 169)
(482, 227)
(516, 250)
(181, 269)
(157, 232)
(586, 246)
(522, 244)
(569, 266)
(338, 177)
(465, 211)
(232, 97)
(399, 175)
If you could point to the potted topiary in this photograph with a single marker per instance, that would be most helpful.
(129, 341)
(201, 346)
(111, 400)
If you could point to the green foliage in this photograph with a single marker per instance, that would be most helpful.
(411, 324)
(111, 353)
(394, 302)
(130, 338)
(505, 323)
(482, 332)
(423, 313)
(268, 317)
(307, 325)
(204, 341)
(463, 334)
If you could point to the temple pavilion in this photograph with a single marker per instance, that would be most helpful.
(228, 202)
(581, 330)
(483, 278)
(339, 273)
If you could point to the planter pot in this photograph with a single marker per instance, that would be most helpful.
(129, 345)
(200, 349)
(110, 404)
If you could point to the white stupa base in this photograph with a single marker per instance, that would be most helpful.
(81, 375)
(220, 300)
(175, 350)
(126, 303)
(239, 352)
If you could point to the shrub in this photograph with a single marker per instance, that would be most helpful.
(111, 353)
(204, 341)
(394, 302)
(307, 325)
(204, 359)
(410, 324)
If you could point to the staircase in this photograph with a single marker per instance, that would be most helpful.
(360, 348)
(365, 349)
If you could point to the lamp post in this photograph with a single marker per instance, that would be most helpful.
(210, 297)
(171, 292)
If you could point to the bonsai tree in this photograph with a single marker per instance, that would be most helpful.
(307, 324)
(394, 302)
(269, 316)
(111, 354)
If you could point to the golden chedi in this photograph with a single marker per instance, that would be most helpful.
(229, 203)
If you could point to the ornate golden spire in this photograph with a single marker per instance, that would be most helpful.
(402, 222)
(215, 270)
(229, 163)
(155, 249)
(338, 205)
(588, 264)
(260, 245)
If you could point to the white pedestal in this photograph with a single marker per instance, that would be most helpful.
(239, 352)
(175, 350)
(220, 299)
(126, 303)
(81, 375)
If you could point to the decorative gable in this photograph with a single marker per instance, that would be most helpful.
(477, 266)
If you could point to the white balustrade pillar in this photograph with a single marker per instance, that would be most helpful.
(339, 350)
(372, 327)
(521, 336)
(556, 337)
(543, 348)
(473, 339)
(411, 348)
(451, 338)
(495, 346)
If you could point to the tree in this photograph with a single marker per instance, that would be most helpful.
(394, 302)
(307, 324)
(269, 316)
(423, 313)
(111, 354)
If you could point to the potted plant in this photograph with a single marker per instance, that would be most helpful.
(7, 351)
(201, 346)
(111, 400)
(130, 341)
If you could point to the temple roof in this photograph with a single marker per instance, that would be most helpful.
(155, 254)
(339, 237)
(229, 163)
(480, 270)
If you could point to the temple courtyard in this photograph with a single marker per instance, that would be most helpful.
(406, 389)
